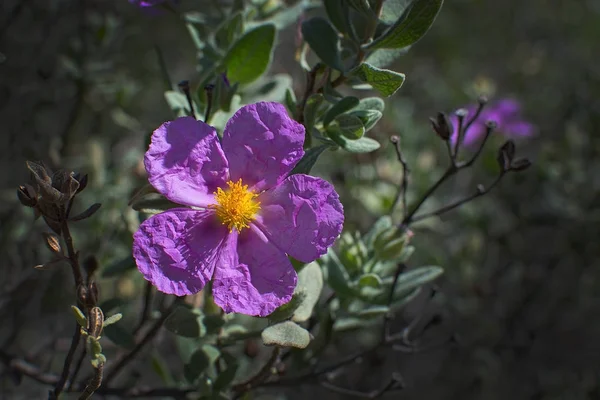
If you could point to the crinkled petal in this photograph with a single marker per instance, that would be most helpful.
(253, 277)
(262, 144)
(302, 216)
(176, 250)
(185, 162)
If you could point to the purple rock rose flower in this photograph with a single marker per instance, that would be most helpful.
(244, 214)
(507, 115)
(148, 3)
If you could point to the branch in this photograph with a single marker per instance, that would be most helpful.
(34, 372)
(481, 190)
(452, 169)
(388, 387)
(402, 190)
(60, 384)
(261, 376)
(77, 369)
(93, 384)
(146, 309)
(310, 87)
(145, 340)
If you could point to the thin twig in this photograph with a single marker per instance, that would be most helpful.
(77, 369)
(389, 386)
(93, 384)
(261, 376)
(73, 256)
(34, 372)
(310, 86)
(147, 308)
(60, 384)
(480, 192)
(120, 364)
(403, 189)
(452, 169)
(385, 331)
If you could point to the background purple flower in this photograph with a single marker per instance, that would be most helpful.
(248, 215)
(149, 3)
(507, 115)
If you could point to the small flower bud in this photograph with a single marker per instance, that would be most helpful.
(27, 195)
(52, 242)
(461, 112)
(83, 181)
(506, 154)
(482, 100)
(442, 126)
(520, 164)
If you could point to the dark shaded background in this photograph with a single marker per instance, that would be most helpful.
(80, 88)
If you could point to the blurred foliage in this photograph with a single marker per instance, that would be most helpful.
(83, 85)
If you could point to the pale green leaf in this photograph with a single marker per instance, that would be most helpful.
(310, 279)
(286, 334)
(384, 81)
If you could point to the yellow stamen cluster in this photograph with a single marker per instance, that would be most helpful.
(236, 206)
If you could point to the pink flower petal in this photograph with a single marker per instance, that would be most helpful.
(176, 250)
(185, 162)
(262, 144)
(255, 278)
(302, 216)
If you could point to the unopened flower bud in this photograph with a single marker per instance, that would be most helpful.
(83, 181)
(442, 126)
(520, 164)
(52, 242)
(506, 154)
(27, 195)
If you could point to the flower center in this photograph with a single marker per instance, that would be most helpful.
(236, 206)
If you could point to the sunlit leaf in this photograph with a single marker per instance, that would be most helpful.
(384, 81)
(286, 334)
(250, 56)
(414, 22)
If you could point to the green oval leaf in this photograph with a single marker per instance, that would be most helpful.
(119, 336)
(346, 125)
(371, 280)
(384, 81)
(286, 311)
(369, 118)
(415, 278)
(198, 363)
(250, 56)
(311, 110)
(362, 145)
(310, 158)
(323, 40)
(286, 334)
(337, 277)
(185, 322)
(310, 280)
(337, 11)
(226, 376)
(412, 25)
(345, 104)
